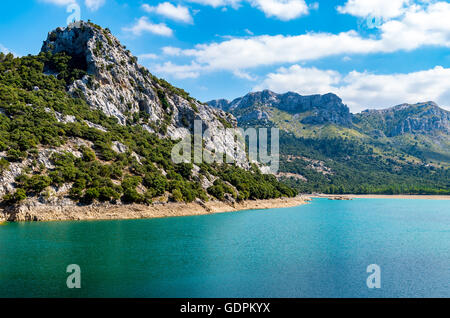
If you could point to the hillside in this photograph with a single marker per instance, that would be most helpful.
(325, 148)
(83, 123)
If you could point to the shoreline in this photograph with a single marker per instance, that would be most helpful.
(45, 213)
(383, 196)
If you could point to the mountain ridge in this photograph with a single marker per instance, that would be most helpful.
(115, 83)
(323, 108)
(325, 148)
(328, 108)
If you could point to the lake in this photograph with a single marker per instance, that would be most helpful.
(321, 249)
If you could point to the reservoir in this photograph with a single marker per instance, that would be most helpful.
(321, 249)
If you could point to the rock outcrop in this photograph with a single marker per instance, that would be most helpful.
(116, 84)
(421, 118)
(322, 109)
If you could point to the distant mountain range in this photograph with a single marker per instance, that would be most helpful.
(406, 137)
(328, 109)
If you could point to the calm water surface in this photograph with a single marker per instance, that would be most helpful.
(317, 250)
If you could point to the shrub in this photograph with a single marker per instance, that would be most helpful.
(108, 194)
(157, 183)
(20, 195)
(37, 183)
(132, 196)
(88, 154)
(184, 169)
(4, 165)
(90, 195)
(177, 196)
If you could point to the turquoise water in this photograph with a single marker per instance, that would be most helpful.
(317, 250)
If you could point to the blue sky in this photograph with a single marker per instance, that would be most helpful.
(372, 53)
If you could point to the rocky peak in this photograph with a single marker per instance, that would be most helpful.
(116, 84)
(422, 118)
(323, 109)
(220, 103)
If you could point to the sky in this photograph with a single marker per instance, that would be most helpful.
(371, 53)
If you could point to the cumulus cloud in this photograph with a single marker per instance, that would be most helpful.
(419, 26)
(168, 10)
(296, 78)
(144, 25)
(148, 56)
(218, 3)
(362, 90)
(174, 51)
(178, 71)
(281, 9)
(94, 4)
(378, 8)
(248, 52)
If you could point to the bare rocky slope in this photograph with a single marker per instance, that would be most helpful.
(116, 84)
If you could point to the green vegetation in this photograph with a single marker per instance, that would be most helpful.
(361, 158)
(29, 99)
(250, 184)
(224, 122)
(357, 168)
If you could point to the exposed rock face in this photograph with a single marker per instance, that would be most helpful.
(324, 109)
(424, 118)
(220, 103)
(120, 87)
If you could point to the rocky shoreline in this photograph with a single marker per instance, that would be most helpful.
(42, 213)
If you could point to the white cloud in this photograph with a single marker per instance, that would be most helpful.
(244, 75)
(378, 8)
(94, 4)
(148, 56)
(282, 9)
(59, 2)
(420, 26)
(177, 13)
(248, 32)
(170, 50)
(144, 25)
(218, 3)
(362, 90)
(242, 53)
(296, 78)
(178, 71)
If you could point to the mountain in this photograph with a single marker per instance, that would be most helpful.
(325, 148)
(421, 118)
(319, 109)
(117, 85)
(82, 123)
